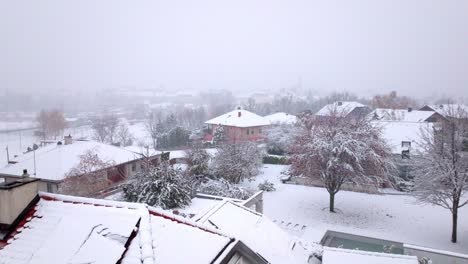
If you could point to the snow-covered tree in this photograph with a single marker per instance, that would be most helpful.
(279, 138)
(160, 185)
(441, 174)
(218, 135)
(237, 161)
(88, 177)
(337, 150)
(197, 159)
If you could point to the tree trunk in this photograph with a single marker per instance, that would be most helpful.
(454, 221)
(332, 202)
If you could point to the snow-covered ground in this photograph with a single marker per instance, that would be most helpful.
(392, 217)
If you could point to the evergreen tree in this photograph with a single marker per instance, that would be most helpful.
(161, 186)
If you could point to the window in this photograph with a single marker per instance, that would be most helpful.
(134, 166)
(406, 144)
(248, 131)
(259, 130)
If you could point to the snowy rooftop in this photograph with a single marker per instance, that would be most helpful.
(256, 230)
(338, 255)
(65, 229)
(340, 108)
(239, 118)
(451, 110)
(54, 161)
(281, 118)
(400, 115)
(395, 132)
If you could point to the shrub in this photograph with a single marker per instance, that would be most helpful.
(267, 186)
(222, 187)
(275, 160)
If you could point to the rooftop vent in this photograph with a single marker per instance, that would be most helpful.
(340, 103)
(410, 109)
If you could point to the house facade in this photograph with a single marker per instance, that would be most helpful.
(236, 126)
(53, 164)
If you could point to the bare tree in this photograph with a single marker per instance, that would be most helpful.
(124, 136)
(105, 128)
(393, 101)
(154, 127)
(52, 123)
(88, 177)
(338, 151)
(441, 177)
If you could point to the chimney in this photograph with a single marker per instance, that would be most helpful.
(410, 109)
(16, 199)
(25, 173)
(340, 103)
(68, 140)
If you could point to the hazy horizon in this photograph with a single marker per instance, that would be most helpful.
(365, 47)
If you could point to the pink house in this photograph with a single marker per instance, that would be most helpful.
(238, 125)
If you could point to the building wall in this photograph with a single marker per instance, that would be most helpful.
(13, 201)
(233, 134)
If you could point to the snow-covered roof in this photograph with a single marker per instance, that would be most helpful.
(281, 118)
(54, 161)
(450, 110)
(339, 255)
(66, 229)
(256, 230)
(239, 118)
(400, 115)
(339, 108)
(395, 132)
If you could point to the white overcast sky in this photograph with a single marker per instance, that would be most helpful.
(362, 46)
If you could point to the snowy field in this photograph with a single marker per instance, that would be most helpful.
(393, 217)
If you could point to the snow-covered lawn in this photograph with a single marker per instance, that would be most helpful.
(392, 217)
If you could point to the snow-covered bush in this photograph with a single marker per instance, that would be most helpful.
(237, 161)
(197, 160)
(161, 186)
(222, 187)
(267, 186)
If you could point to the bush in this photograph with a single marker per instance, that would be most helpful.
(222, 187)
(161, 186)
(267, 186)
(275, 160)
(274, 149)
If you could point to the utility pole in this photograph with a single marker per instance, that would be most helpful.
(34, 152)
(8, 155)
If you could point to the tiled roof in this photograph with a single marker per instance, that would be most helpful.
(65, 229)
